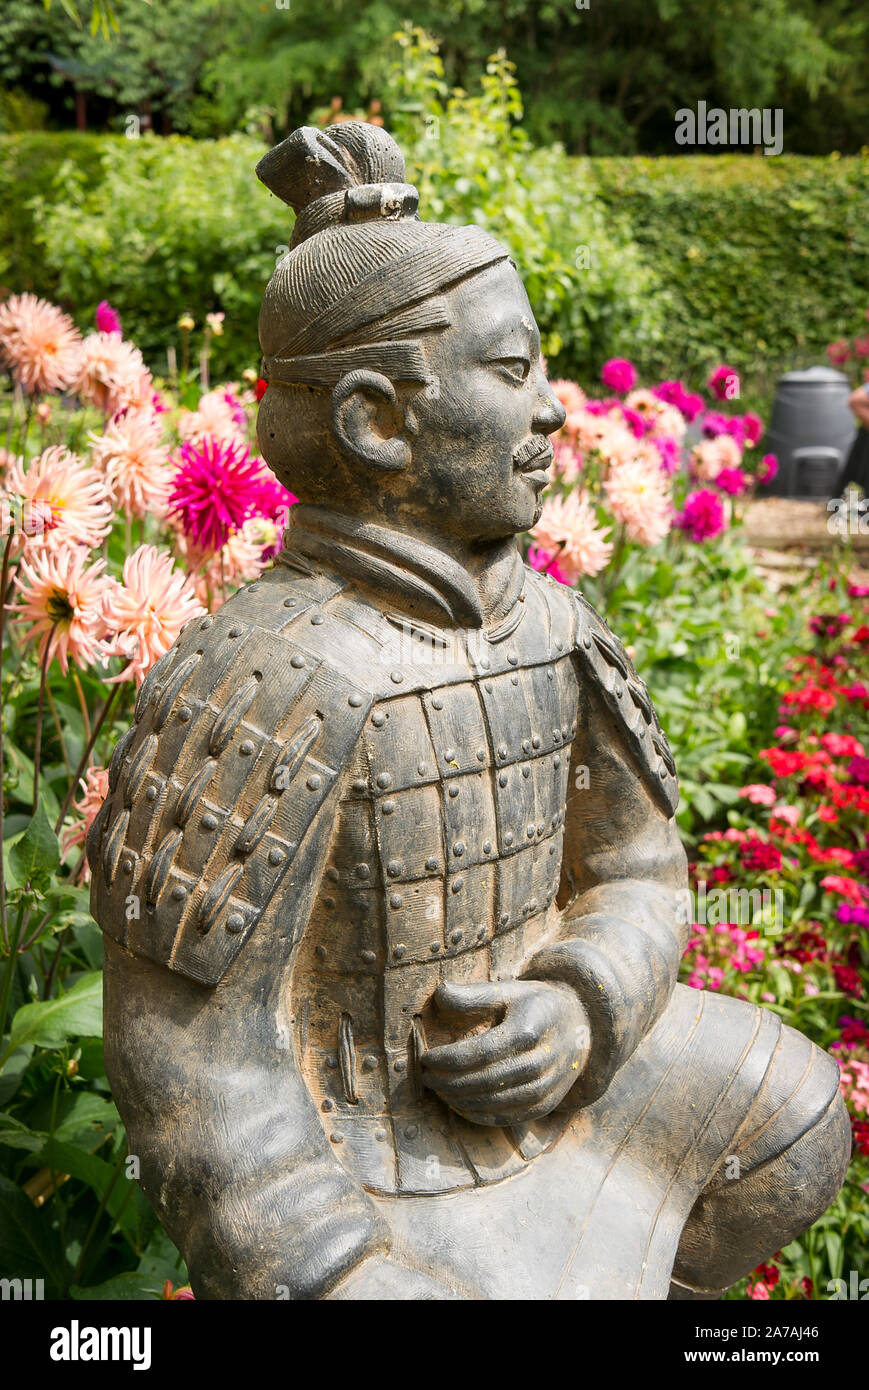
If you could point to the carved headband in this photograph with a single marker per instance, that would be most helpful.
(393, 298)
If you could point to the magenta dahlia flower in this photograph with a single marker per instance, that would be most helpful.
(218, 486)
(702, 517)
(724, 382)
(619, 375)
(732, 480)
(108, 320)
(767, 468)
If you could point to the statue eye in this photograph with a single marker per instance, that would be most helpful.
(515, 367)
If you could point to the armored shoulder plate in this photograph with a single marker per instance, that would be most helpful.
(611, 671)
(241, 733)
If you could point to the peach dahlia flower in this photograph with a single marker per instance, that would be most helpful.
(134, 462)
(147, 610)
(111, 374)
(63, 501)
(639, 496)
(38, 343)
(62, 600)
(569, 532)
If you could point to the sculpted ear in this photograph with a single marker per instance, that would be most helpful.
(368, 421)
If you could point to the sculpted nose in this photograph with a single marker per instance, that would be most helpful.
(550, 414)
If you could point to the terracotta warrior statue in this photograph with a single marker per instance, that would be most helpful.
(392, 892)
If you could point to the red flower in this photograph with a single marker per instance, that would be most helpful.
(839, 883)
(769, 1274)
(842, 745)
(760, 857)
(261, 387)
(848, 980)
(860, 1130)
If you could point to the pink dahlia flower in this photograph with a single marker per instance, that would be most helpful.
(62, 600)
(669, 452)
(733, 481)
(710, 456)
(569, 532)
(66, 502)
(95, 789)
(218, 486)
(111, 374)
(759, 794)
(767, 468)
(38, 343)
(724, 383)
(133, 460)
(571, 395)
(688, 403)
(544, 564)
(220, 413)
(147, 610)
(660, 417)
(638, 493)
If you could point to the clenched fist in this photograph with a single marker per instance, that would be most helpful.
(523, 1065)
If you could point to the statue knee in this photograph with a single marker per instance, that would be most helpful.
(778, 1182)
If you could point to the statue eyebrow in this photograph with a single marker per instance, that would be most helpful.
(498, 343)
(498, 346)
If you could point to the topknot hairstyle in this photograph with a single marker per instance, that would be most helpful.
(363, 276)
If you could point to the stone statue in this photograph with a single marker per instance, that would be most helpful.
(398, 1017)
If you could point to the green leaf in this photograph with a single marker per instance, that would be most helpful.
(52, 1022)
(37, 854)
(23, 792)
(29, 1248)
(12, 1070)
(98, 1175)
(131, 1287)
(88, 1115)
(17, 1135)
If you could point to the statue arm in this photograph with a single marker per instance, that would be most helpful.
(232, 1152)
(624, 881)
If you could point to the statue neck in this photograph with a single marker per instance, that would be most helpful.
(468, 585)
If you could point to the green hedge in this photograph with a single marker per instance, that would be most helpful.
(28, 167)
(763, 260)
(158, 228)
(753, 260)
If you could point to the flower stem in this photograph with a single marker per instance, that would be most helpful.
(4, 577)
(82, 705)
(60, 738)
(85, 758)
(88, 1240)
(37, 749)
(612, 573)
(27, 418)
(9, 972)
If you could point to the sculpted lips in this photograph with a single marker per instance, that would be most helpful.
(534, 456)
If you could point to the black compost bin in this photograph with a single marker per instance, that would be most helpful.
(811, 432)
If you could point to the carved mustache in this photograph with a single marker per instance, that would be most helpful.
(532, 448)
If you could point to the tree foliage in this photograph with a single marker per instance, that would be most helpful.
(606, 79)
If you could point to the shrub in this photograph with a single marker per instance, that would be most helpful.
(172, 225)
(762, 259)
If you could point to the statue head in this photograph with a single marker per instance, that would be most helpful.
(402, 356)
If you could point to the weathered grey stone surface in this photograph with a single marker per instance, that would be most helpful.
(398, 1018)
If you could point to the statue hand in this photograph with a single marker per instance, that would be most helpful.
(381, 1277)
(521, 1067)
